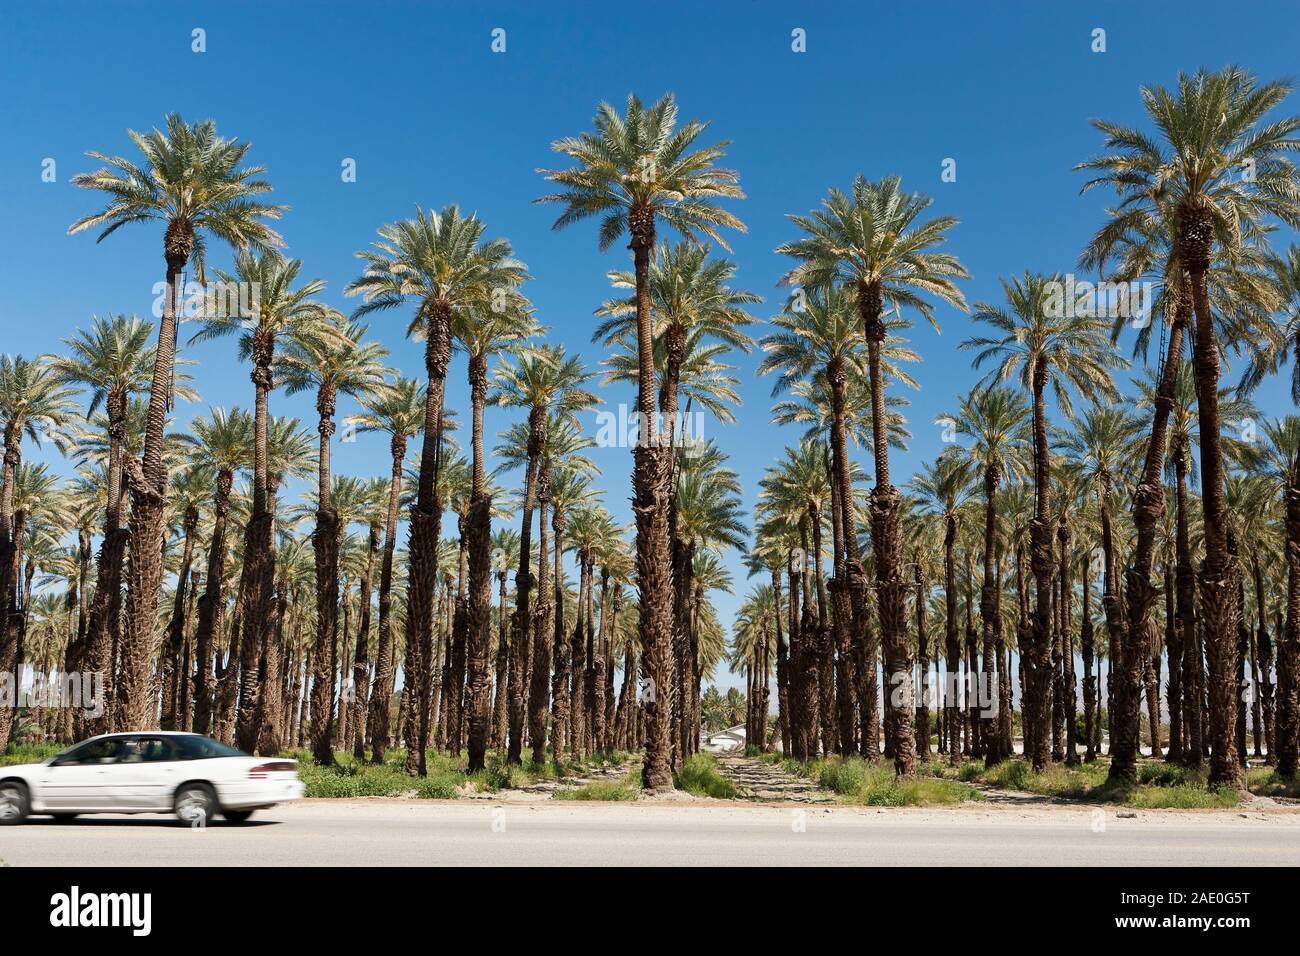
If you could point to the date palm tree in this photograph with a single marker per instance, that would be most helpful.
(222, 445)
(114, 360)
(634, 171)
(442, 262)
(1212, 126)
(330, 364)
(873, 241)
(192, 180)
(188, 496)
(282, 310)
(397, 411)
(1040, 345)
(547, 381)
(483, 331)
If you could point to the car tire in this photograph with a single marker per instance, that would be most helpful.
(195, 804)
(15, 803)
(63, 817)
(236, 816)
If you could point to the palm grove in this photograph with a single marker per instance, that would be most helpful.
(951, 613)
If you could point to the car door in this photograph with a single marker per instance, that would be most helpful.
(146, 773)
(82, 779)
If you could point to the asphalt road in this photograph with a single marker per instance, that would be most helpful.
(370, 832)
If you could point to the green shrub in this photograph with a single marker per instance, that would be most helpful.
(699, 775)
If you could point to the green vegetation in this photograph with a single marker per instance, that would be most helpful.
(699, 775)
(875, 785)
(1160, 786)
(17, 753)
(627, 787)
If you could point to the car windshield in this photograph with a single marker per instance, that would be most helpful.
(196, 747)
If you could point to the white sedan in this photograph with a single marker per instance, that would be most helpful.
(192, 776)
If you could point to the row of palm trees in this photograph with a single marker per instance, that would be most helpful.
(1197, 201)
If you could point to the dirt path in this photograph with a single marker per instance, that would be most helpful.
(764, 782)
(545, 789)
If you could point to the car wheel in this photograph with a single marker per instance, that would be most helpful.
(236, 816)
(64, 817)
(196, 804)
(14, 802)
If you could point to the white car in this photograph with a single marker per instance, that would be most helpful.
(190, 775)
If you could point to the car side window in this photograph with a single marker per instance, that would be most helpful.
(148, 750)
(91, 752)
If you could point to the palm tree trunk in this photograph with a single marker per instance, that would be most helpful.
(520, 622)
(478, 699)
(361, 661)
(1217, 578)
(651, 503)
(382, 692)
(426, 527)
(539, 689)
(886, 541)
(212, 605)
(1038, 670)
(172, 672)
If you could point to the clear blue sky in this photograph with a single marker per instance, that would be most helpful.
(414, 93)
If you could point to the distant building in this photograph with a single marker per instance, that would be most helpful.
(733, 738)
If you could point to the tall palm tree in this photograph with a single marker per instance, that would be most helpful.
(331, 364)
(1041, 346)
(397, 411)
(633, 171)
(34, 402)
(1211, 126)
(483, 331)
(192, 180)
(505, 555)
(283, 310)
(114, 359)
(943, 488)
(547, 381)
(188, 494)
(442, 262)
(221, 444)
(873, 241)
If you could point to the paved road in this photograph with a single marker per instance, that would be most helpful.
(343, 832)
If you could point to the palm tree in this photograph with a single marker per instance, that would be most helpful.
(505, 554)
(34, 402)
(483, 331)
(1211, 126)
(943, 488)
(398, 411)
(193, 181)
(329, 364)
(633, 170)
(282, 311)
(442, 262)
(188, 495)
(872, 240)
(546, 381)
(1041, 345)
(221, 444)
(115, 361)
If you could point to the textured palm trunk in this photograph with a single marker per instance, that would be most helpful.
(478, 697)
(596, 654)
(540, 680)
(501, 682)
(521, 620)
(1174, 648)
(454, 681)
(148, 486)
(382, 693)
(562, 651)
(578, 663)
(973, 745)
(1185, 592)
(1070, 701)
(1288, 643)
(886, 542)
(269, 715)
(1038, 666)
(212, 605)
(923, 662)
(361, 660)
(1087, 646)
(990, 618)
(106, 607)
(1264, 651)
(425, 529)
(651, 502)
(782, 666)
(1217, 583)
(952, 640)
(172, 672)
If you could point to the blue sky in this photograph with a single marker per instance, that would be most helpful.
(414, 94)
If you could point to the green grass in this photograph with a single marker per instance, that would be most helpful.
(29, 753)
(351, 779)
(627, 787)
(699, 776)
(1160, 786)
(875, 785)
(1267, 782)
